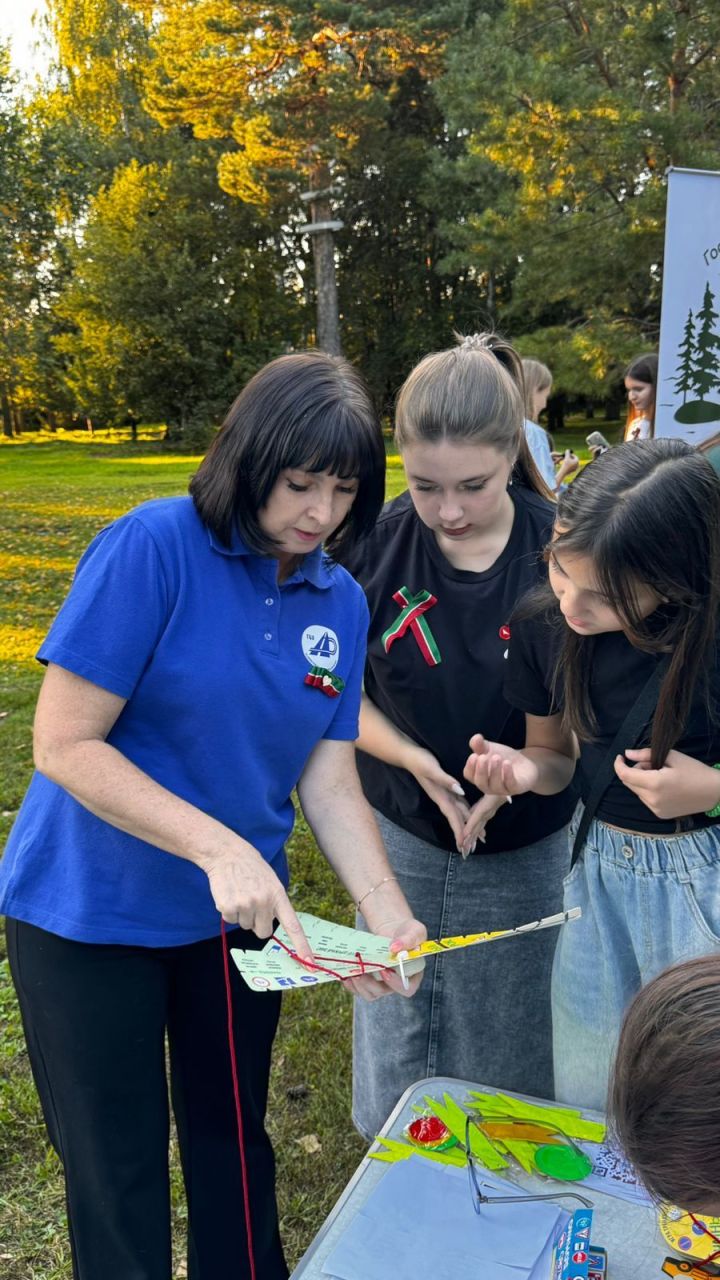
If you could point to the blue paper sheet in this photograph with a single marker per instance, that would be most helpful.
(419, 1222)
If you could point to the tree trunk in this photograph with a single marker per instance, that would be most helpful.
(8, 429)
(328, 323)
(323, 248)
(491, 298)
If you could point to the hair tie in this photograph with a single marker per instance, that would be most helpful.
(478, 342)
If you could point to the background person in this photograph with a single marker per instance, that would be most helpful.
(460, 547)
(641, 387)
(537, 382)
(664, 1104)
(628, 604)
(172, 725)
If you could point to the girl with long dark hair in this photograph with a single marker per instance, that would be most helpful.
(634, 589)
(641, 386)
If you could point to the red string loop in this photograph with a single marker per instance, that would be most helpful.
(319, 968)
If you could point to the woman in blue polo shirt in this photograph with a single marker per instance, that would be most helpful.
(443, 570)
(173, 723)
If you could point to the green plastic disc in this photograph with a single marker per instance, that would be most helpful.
(564, 1163)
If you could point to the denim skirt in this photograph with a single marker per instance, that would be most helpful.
(481, 1014)
(648, 901)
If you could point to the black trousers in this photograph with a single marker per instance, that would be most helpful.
(95, 1020)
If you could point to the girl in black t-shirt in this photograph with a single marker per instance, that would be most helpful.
(443, 570)
(634, 580)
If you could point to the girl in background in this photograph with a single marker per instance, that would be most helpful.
(537, 381)
(641, 385)
(627, 603)
(442, 571)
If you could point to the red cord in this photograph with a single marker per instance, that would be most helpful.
(308, 964)
(236, 1093)
(319, 968)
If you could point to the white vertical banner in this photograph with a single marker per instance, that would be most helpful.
(688, 390)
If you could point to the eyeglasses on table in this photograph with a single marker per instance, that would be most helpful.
(520, 1132)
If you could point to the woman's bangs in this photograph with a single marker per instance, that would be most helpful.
(335, 442)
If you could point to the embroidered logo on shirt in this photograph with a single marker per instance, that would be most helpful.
(321, 647)
(413, 607)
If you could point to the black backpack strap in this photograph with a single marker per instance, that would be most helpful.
(637, 718)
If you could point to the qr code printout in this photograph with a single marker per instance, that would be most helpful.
(613, 1174)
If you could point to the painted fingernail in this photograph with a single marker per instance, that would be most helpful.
(457, 789)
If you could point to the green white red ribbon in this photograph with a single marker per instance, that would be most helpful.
(322, 679)
(411, 616)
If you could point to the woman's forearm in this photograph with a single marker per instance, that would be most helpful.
(345, 829)
(104, 781)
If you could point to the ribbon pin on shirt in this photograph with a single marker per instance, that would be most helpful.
(411, 616)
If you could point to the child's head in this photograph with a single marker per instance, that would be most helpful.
(665, 1094)
(640, 384)
(538, 381)
(636, 548)
(471, 394)
(308, 411)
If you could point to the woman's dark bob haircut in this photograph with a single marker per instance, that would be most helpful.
(307, 411)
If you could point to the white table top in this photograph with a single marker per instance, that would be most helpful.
(629, 1232)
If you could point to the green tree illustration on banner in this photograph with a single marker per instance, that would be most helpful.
(685, 380)
(699, 364)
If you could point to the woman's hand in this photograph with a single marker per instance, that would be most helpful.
(444, 790)
(499, 770)
(681, 787)
(406, 934)
(246, 891)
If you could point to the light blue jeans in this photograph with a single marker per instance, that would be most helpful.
(647, 902)
(481, 1014)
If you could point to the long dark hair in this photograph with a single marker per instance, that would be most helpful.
(310, 411)
(643, 369)
(646, 513)
(664, 1106)
(473, 393)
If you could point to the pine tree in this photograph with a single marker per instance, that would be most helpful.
(707, 347)
(685, 380)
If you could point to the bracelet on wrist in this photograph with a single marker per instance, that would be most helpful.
(385, 880)
(715, 811)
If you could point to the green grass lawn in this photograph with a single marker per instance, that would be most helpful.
(54, 499)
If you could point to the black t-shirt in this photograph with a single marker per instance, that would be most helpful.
(440, 706)
(618, 674)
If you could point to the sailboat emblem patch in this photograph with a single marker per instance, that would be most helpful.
(321, 647)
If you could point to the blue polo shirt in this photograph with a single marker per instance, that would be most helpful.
(211, 655)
